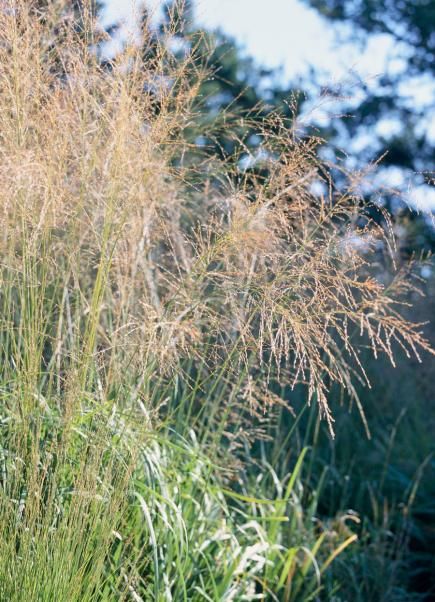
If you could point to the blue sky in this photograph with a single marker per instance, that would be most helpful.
(279, 33)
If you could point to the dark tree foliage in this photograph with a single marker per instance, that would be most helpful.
(76, 5)
(84, 14)
(235, 96)
(411, 24)
(408, 147)
(408, 21)
(75, 8)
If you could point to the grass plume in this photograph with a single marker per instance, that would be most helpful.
(141, 281)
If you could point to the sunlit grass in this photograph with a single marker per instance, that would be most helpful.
(151, 313)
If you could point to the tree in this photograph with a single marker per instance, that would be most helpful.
(396, 120)
(235, 94)
(410, 150)
(411, 26)
(84, 14)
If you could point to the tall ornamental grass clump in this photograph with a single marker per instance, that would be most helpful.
(154, 301)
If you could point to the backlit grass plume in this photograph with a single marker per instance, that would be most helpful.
(132, 261)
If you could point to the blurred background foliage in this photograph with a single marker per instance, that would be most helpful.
(376, 121)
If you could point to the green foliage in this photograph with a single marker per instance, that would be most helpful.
(408, 148)
(235, 96)
(410, 25)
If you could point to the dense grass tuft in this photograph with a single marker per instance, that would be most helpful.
(157, 306)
